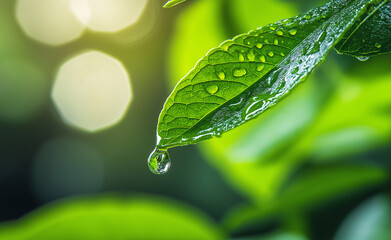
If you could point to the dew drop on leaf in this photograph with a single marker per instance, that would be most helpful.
(238, 72)
(241, 57)
(212, 89)
(271, 54)
(251, 56)
(363, 58)
(260, 67)
(378, 45)
(275, 42)
(280, 33)
(159, 161)
(292, 32)
(221, 75)
(262, 59)
(259, 45)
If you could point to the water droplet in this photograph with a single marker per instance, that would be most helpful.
(238, 72)
(241, 57)
(292, 32)
(275, 42)
(251, 56)
(282, 54)
(266, 41)
(307, 16)
(272, 28)
(363, 58)
(260, 67)
(221, 75)
(378, 45)
(262, 59)
(271, 54)
(259, 45)
(212, 89)
(279, 33)
(159, 161)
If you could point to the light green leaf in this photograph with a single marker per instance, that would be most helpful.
(370, 36)
(112, 218)
(245, 76)
(172, 3)
(370, 221)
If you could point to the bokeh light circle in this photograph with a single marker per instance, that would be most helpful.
(108, 15)
(48, 21)
(92, 91)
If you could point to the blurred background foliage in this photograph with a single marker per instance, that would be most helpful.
(316, 166)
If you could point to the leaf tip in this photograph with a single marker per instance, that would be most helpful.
(172, 3)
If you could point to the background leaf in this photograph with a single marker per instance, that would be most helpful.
(112, 218)
(369, 221)
(371, 36)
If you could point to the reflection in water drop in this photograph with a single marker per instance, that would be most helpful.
(159, 161)
(363, 58)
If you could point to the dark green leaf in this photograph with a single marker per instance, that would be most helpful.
(371, 36)
(172, 3)
(245, 76)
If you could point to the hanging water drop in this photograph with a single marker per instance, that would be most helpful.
(159, 161)
(363, 58)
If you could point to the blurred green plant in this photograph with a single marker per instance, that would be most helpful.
(113, 217)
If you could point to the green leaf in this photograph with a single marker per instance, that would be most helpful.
(310, 188)
(245, 76)
(371, 36)
(369, 221)
(172, 3)
(112, 218)
(258, 157)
